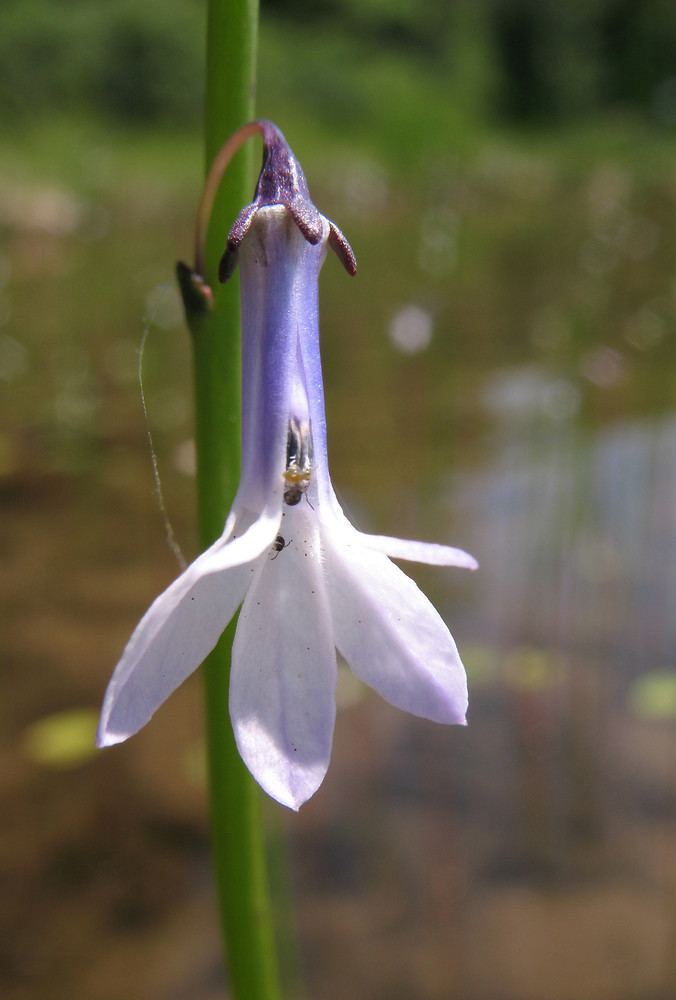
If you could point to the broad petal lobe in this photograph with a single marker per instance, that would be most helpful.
(282, 689)
(390, 635)
(178, 631)
(423, 552)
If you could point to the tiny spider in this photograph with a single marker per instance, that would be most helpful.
(280, 544)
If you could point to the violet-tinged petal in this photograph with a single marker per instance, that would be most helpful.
(389, 633)
(311, 363)
(423, 552)
(282, 688)
(278, 292)
(178, 631)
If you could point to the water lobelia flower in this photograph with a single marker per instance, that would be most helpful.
(308, 582)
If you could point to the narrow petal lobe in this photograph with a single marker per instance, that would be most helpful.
(178, 631)
(390, 635)
(423, 552)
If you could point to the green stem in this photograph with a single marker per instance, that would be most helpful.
(238, 847)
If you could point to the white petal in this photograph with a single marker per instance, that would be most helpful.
(246, 540)
(178, 631)
(389, 633)
(282, 689)
(423, 552)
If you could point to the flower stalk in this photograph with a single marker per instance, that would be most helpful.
(234, 800)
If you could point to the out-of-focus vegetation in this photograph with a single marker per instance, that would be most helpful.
(527, 60)
(137, 62)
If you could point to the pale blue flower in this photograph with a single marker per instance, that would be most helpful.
(309, 583)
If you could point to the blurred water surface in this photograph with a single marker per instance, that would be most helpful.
(499, 376)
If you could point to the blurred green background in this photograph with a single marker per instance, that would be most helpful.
(500, 375)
